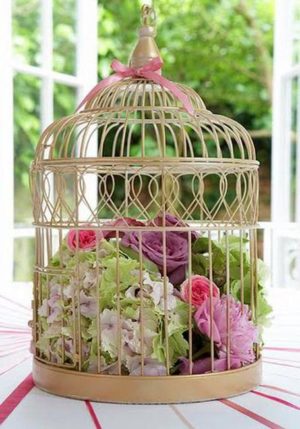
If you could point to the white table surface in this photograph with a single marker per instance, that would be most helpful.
(275, 404)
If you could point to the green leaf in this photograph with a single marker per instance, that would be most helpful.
(234, 243)
(200, 245)
(200, 264)
(127, 271)
(263, 272)
(179, 317)
(151, 319)
(158, 347)
(147, 264)
(131, 312)
(128, 275)
(178, 347)
(218, 261)
(263, 309)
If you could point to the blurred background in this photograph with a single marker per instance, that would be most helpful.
(224, 49)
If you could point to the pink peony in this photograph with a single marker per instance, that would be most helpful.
(200, 286)
(243, 334)
(87, 239)
(202, 366)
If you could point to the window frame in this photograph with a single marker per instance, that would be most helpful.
(284, 229)
(84, 78)
(281, 144)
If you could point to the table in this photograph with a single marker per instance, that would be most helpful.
(274, 404)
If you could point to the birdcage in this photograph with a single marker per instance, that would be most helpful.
(146, 281)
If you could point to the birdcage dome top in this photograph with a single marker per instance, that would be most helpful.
(137, 118)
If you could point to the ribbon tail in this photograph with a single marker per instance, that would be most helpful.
(99, 87)
(155, 77)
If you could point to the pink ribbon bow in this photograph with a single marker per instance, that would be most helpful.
(148, 71)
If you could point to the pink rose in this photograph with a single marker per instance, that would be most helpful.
(200, 290)
(87, 239)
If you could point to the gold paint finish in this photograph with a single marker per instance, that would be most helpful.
(146, 47)
(135, 139)
(150, 390)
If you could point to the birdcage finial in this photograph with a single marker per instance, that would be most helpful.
(146, 47)
(148, 15)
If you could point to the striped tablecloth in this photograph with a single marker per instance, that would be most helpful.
(275, 404)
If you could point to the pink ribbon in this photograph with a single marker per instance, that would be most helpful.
(148, 71)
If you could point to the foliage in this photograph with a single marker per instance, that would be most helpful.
(111, 292)
(230, 258)
(209, 45)
(127, 312)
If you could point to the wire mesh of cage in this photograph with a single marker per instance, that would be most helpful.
(146, 281)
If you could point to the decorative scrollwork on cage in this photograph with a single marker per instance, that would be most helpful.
(146, 251)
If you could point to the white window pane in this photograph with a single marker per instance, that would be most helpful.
(23, 259)
(64, 100)
(296, 50)
(64, 36)
(26, 31)
(26, 134)
(294, 114)
(296, 33)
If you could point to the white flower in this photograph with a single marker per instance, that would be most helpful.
(54, 330)
(89, 279)
(133, 291)
(156, 290)
(88, 305)
(55, 314)
(109, 332)
(131, 335)
(43, 309)
(66, 343)
(51, 308)
(54, 287)
(69, 290)
(171, 303)
(152, 367)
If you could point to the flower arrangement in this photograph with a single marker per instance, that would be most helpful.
(127, 313)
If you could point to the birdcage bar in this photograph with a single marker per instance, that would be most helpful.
(165, 280)
(241, 233)
(190, 302)
(142, 329)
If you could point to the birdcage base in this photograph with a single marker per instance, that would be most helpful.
(146, 390)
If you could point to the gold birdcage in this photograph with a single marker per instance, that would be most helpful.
(145, 287)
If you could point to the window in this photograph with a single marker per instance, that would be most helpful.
(48, 63)
(48, 51)
(286, 146)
